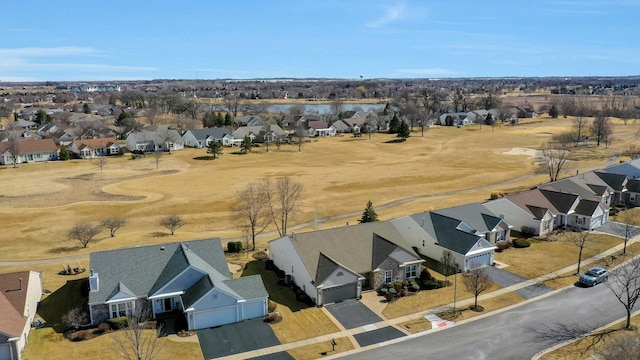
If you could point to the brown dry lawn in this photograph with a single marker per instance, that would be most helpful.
(448, 166)
(42, 201)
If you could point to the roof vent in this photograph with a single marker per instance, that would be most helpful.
(162, 248)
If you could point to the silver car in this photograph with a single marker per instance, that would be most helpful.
(594, 276)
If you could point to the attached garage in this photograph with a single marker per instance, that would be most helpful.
(339, 293)
(479, 260)
(216, 317)
(5, 352)
(254, 309)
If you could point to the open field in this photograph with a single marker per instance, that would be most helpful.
(42, 201)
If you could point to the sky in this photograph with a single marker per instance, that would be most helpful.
(70, 40)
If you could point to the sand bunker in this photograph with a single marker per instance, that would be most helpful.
(530, 153)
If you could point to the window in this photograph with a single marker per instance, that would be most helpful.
(388, 276)
(411, 271)
(501, 236)
(121, 309)
(632, 197)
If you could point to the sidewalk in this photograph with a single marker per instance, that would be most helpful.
(421, 314)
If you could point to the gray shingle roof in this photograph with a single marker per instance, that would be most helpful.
(350, 246)
(587, 207)
(145, 269)
(475, 214)
(560, 200)
(216, 133)
(249, 287)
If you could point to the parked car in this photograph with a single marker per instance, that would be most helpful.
(594, 276)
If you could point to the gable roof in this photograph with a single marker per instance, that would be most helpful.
(352, 247)
(13, 297)
(453, 234)
(631, 169)
(533, 201)
(156, 133)
(32, 146)
(216, 133)
(145, 269)
(616, 181)
(95, 143)
(560, 200)
(587, 207)
(475, 214)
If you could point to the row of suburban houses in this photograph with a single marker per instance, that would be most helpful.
(192, 278)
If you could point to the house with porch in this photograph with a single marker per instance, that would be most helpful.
(93, 148)
(28, 151)
(189, 279)
(155, 138)
(20, 293)
(336, 264)
(200, 138)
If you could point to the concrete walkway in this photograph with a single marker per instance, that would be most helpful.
(421, 314)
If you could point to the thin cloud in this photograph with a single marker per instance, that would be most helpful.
(83, 67)
(42, 52)
(428, 72)
(391, 14)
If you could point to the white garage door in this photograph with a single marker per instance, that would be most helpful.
(595, 222)
(253, 309)
(339, 293)
(210, 318)
(5, 352)
(476, 261)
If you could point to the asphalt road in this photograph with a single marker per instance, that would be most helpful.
(518, 333)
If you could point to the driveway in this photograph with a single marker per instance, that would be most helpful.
(377, 336)
(617, 229)
(352, 313)
(505, 278)
(237, 338)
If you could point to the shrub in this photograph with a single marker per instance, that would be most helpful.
(238, 246)
(389, 296)
(272, 306)
(118, 323)
(104, 327)
(260, 255)
(425, 275)
(527, 231)
(503, 245)
(393, 291)
(231, 246)
(521, 243)
(269, 265)
(414, 287)
(273, 318)
(496, 195)
(383, 291)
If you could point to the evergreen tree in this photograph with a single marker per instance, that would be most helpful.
(369, 214)
(215, 148)
(64, 153)
(227, 119)
(394, 124)
(247, 145)
(219, 120)
(553, 111)
(403, 130)
(86, 109)
(208, 120)
(489, 120)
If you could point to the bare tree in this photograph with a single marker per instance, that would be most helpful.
(251, 211)
(138, 340)
(601, 128)
(283, 198)
(234, 104)
(84, 232)
(172, 223)
(580, 128)
(100, 162)
(296, 111)
(157, 158)
(113, 224)
(624, 282)
(629, 219)
(622, 348)
(300, 135)
(14, 145)
(477, 281)
(268, 135)
(447, 265)
(336, 107)
(555, 155)
(75, 318)
(488, 101)
(579, 239)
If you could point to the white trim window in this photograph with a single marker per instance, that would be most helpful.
(122, 309)
(411, 271)
(388, 276)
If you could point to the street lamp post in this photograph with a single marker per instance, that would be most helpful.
(455, 288)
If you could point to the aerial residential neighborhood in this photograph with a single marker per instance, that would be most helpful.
(320, 180)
